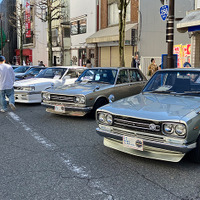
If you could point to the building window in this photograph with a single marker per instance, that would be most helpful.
(113, 14)
(66, 32)
(78, 27)
(197, 4)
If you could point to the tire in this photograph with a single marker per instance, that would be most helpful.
(100, 102)
(194, 155)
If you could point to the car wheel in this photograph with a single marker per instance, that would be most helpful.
(194, 155)
(98, 104)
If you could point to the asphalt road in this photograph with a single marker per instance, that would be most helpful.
(50, 157)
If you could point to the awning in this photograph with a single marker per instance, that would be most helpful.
(110, 34)
(192, 19)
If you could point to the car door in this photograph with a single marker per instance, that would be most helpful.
(136, 82)
(121, 88)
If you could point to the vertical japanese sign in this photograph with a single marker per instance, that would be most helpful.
(28, 19)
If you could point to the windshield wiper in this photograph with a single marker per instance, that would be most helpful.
(161, 92)
(191, 92)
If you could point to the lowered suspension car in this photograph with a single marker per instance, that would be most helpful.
(29, 90)
(92, 90)
(162, 122)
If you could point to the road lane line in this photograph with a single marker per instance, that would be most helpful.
(44, 141)
(63, 156)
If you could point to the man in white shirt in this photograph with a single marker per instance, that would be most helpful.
(7, 78)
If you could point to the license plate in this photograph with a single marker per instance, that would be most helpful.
(59, 109)
(134, 143)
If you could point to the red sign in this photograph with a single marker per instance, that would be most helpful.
(28, 19)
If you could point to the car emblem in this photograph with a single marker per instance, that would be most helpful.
(152, 127)
(138, 143)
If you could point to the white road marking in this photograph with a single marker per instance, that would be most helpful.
(63, 156)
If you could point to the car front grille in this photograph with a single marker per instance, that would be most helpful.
(62, 98)
(136, 124)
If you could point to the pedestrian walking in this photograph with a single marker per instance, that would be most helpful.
(135, 62)
(152, 68)
(7, 78)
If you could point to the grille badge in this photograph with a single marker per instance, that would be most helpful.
(152, 127)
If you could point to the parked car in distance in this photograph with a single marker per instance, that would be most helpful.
(93, 90)
(29, 90)
(21, 70)
(15, 66)
(32, 72)
(162, 122)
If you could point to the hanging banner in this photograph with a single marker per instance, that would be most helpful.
(28, 19)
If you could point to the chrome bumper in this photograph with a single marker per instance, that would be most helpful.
(179, 148)
(68, 110)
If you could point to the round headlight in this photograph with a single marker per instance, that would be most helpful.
(80, 99)
(46, 96)
(180, 130)
(102, 117)
(109, 119)
(168, 128)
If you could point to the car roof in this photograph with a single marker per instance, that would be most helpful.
(181, 69)
(74, 67)
(117, 68)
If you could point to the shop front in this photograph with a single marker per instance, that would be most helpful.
(27, 56)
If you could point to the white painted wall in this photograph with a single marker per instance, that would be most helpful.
(79, 8)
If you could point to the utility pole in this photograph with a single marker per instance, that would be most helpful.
(170, 35)
(1, 34)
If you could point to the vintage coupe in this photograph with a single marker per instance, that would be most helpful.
(162, 122)
(92, 90)
(29, 90)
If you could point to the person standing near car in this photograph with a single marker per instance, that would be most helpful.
(152, 68)
(7, 78)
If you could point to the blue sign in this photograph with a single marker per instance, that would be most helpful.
(164, 12)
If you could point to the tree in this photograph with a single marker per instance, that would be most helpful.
(17, 20)
(49, 10)
(122, 7)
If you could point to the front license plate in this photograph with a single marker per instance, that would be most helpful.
(134, 143)
(59, 109)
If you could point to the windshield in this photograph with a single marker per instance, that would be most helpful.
(53, 73)
(34, 71)
(99, 75)
(184, 82)
(21, 69)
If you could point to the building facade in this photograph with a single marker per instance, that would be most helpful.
(106, 39)
(61, 34)
(6, 9)
(83, 19)
(190, 25)
(34, 36)
(152, 30)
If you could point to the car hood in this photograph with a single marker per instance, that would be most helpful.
(19, 74)
(79, 88)
(156, 107)
(33, 81)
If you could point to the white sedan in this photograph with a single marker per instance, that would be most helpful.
(29, 91)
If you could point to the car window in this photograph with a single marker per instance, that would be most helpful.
(123, 77)
(99, 75)
(74, 73)
(54, 73)
(135, 75)
(174, 82)
(21, 69)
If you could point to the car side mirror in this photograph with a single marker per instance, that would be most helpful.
(111, 98)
